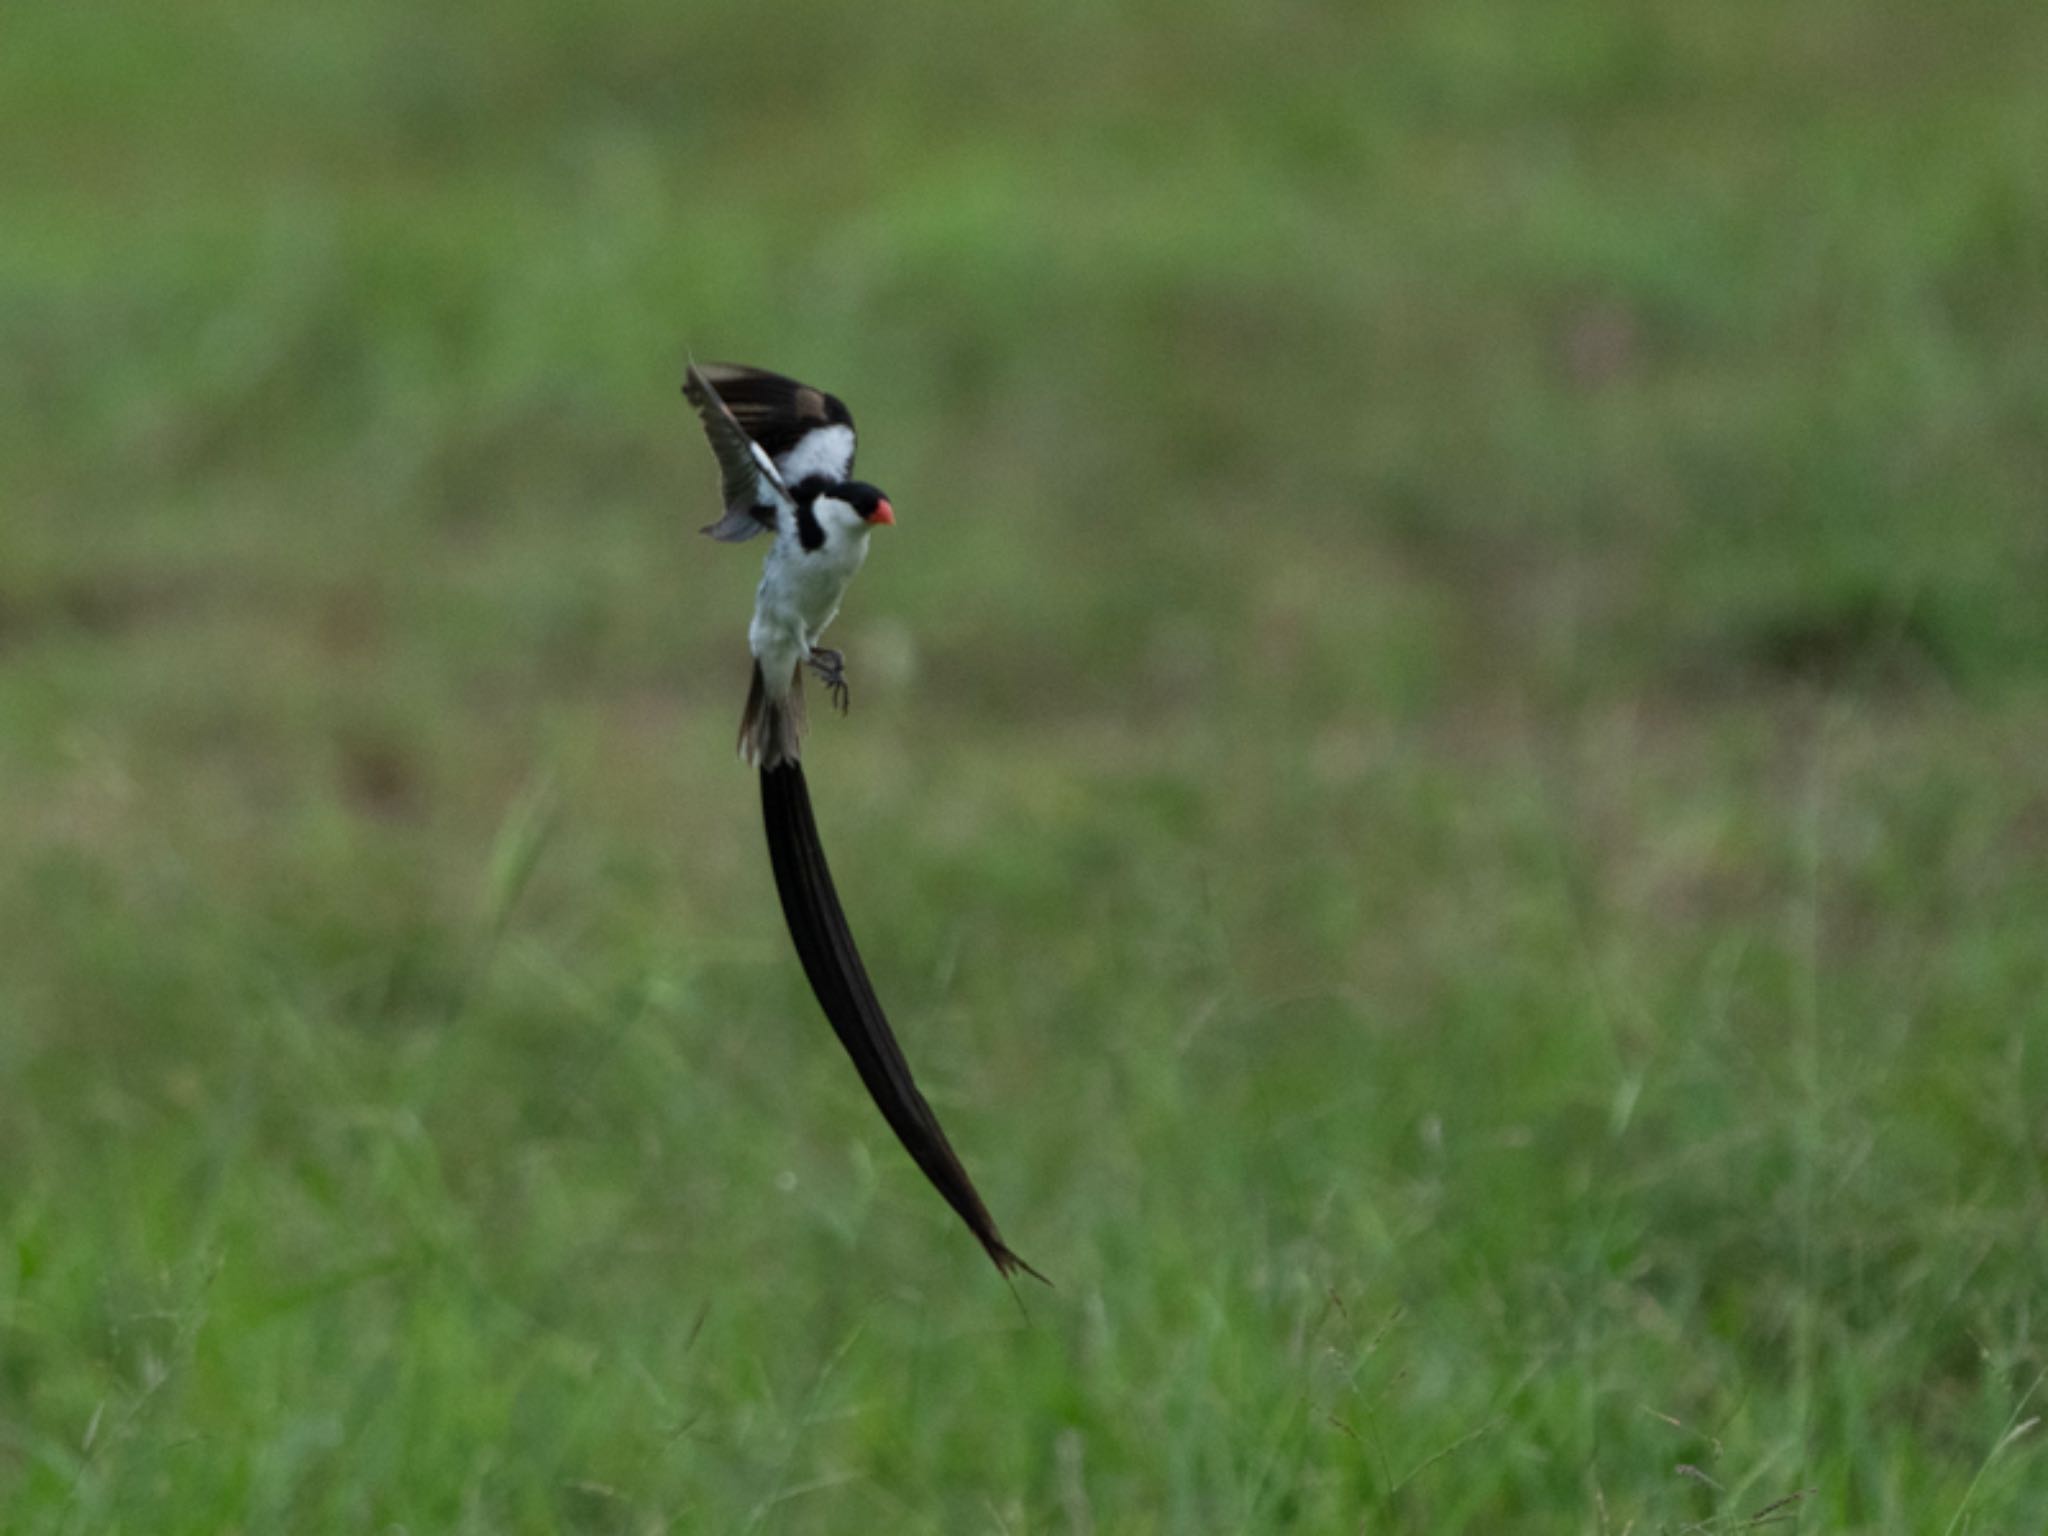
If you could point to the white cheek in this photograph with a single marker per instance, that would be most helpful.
(836, 516)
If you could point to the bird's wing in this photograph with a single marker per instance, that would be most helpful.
(807, 432)
(752, 489)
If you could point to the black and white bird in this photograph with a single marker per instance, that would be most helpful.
(785, 454)
(785, 459)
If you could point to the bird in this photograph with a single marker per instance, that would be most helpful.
(785, 458)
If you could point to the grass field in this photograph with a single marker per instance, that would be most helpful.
(1448, 781)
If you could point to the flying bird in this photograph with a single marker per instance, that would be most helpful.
(785, 460)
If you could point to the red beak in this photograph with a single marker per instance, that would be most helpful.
(884, 513)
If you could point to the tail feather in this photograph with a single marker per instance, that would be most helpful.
(825, 945)
(772, 729)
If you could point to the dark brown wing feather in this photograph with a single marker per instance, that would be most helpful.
(817, 924)
(805, 430)
(751, 490)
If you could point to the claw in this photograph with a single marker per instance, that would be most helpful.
(831, 669)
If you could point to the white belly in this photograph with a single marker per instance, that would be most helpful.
(799, 595)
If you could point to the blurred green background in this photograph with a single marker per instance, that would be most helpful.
(1448, 781)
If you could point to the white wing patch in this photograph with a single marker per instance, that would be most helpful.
(826, 452)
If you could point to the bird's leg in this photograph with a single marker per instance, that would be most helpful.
(831, 669)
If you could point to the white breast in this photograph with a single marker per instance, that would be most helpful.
(799, 595)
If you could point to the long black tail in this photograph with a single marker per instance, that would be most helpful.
(825, 945)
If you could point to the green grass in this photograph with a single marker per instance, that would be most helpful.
(1446, 783)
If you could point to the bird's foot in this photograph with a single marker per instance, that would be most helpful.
(831, 669)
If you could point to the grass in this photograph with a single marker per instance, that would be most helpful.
(1445, 783)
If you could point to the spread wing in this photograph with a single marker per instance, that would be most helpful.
(752, 488)
(808, 433)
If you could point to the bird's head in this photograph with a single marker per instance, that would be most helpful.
(853, 505)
